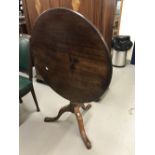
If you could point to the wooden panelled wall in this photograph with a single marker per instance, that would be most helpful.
(99, 12)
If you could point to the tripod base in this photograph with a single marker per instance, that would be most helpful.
(74, 108)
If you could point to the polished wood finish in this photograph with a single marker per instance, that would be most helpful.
(81, 127)
(73, 58)
(32, 9)
(74, 108)
(99, 12)
(71, 55)
(68, 108)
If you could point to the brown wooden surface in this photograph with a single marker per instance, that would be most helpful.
(74, 108)
(71, 55)
(81, 127)
(99, 12)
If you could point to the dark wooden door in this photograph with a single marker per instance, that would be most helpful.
(99, 12)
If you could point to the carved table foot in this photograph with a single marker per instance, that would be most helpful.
(81, 127)
(61, 111)
(74, 108)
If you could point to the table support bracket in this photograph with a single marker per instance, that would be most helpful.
(74, 108)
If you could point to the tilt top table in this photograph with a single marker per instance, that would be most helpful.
(73, 58)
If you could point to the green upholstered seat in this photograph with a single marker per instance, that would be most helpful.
(24, 54)
(24, 85)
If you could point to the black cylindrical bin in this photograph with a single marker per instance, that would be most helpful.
(120, 46)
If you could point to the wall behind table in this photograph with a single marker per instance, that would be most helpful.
(127, 24)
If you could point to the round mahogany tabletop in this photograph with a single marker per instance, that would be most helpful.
(71, 55)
